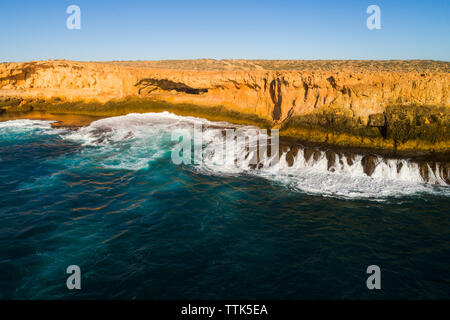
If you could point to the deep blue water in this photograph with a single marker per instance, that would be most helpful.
(140, 227)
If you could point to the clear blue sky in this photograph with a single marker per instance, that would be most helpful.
(183, 29)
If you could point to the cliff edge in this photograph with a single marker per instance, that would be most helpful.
(398, 105)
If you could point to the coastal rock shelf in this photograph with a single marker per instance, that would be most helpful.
(370, 165)
(391, 105)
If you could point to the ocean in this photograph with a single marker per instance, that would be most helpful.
(108, 198)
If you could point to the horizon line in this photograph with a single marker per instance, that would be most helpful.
(224, 59)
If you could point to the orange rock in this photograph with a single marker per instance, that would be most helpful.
(272, 90)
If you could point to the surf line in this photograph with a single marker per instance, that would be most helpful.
(236, 145)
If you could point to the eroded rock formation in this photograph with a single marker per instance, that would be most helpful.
(391, 104)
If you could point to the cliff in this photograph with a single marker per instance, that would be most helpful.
(399, 105)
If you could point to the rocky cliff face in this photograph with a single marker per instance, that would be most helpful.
(389, 103)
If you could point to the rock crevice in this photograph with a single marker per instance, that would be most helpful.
(371, 101)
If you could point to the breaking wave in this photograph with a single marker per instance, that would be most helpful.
(135, 141)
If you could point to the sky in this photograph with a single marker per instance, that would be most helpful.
(228, 29)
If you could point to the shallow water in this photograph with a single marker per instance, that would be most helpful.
(107, 197)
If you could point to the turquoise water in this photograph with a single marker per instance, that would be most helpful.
(109, 199)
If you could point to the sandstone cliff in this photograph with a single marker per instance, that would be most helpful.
(385, 104)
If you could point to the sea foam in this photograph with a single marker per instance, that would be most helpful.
(134, 141)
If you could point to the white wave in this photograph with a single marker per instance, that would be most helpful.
(348, 181)
(19, 129)
(135, 141)
(27, 124)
